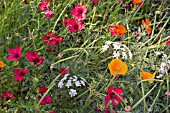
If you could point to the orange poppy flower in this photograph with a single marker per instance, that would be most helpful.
(149, 30)
(2, 65)
(147, 75)
(117, 66)
(146, 22)
(137, 1)
(118, 30)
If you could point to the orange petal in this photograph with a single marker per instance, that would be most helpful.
(147, 21)
(149, 30)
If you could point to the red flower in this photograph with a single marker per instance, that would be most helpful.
(107, 110)
(42, 89)
(44, 5)
(168, 42)
(75, 26)
(15, 53)
(114, 95)
(7, 95)
(20, 74)
(52, 39)
(33, 57)
(64, 71)
(47, 100)
(49, 14)
(79, 12)
(66, 21)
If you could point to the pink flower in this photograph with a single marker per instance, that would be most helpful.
(112, 95)
(120, 1)
(44, 5)
(79, 12)
(95, 1)
(7, 95)
(107, 110)
(20, 74)
(47, 100)
(52, 39)
(75, 26)
(15, 53)
(49, 14)
(33, 57)
(64, 71)
(66, 21)
(42, 89)
(127, 108)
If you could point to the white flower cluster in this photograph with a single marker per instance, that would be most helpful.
(165, 64)
(119, 50)
(70, 81)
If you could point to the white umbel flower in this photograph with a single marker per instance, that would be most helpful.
(72, 92)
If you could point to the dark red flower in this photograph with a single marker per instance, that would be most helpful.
(79, 12)
(47, 100)
(33, 57)
(114, 95)
(66, 21)
(75, 26)
(52, 39)
(64, 71)
(42, 89)
(15, 53)
(44, 5)
(8, 95)
(49, 14)
(168, 42)
(20, 74)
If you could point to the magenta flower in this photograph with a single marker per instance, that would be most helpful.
(52, 39)
(49, 14)
(44, 5)
(112, 95)
(79, 12)
(66, 21)
(33, 57)
(15, 53)
(42, 89)
(8, 95)
(95, 1)
(64, 71)
(168, 42)
(20, 74)
(47, 100)
(75, 26)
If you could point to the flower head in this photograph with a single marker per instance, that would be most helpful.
(146, 24)
(79, 12)
(20, 74)
(136, 1)
(33, 57)
(95, 1)
(44, 5)
(75, 26)
(47, 100)
(117, 29)
(72, 92)
(42, 89)
(52, 39)
(49, 14)
(2, 65)
(8, 95)
(64, 71)
(168, 42)
(114, 95)
(117, 66)
(147, 75)
(15, 53)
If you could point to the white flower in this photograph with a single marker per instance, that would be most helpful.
(26, 97)
(60, 84)
(65, 77)
(161, 70)
(108, 42)
(164, 56)
(163, 64)
(116, 46)
(124, 55)
(72, 92)
(130, 55)
(82, 82)
(77, 83)
(104, 48)
(116, 54)
(160, 75)
(68, 84)
(158, 53)
(75, 78)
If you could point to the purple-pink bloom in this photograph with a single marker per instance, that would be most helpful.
(79, 12)
(20, 74)
(44, 5)
(49, 14)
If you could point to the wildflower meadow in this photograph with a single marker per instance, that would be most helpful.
(84, 56)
